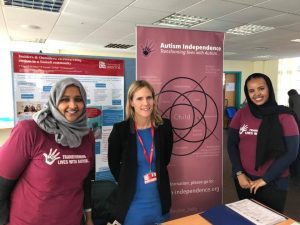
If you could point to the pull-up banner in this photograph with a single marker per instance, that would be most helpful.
(185, 68)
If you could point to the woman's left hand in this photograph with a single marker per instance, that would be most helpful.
(256, 184)
(88, 218)
(89, 222)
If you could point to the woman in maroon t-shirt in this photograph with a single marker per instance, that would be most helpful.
(263, 141)
(46, 162)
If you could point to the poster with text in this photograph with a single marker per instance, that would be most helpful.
(185, 68)
(103, 79)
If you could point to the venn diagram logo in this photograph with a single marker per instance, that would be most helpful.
(193, 112)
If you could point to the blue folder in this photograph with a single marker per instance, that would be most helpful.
(222, 215)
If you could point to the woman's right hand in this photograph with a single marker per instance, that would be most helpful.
(244, 181)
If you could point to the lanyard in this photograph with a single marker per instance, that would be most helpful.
(149, 159)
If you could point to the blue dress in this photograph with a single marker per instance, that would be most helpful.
(145, 208)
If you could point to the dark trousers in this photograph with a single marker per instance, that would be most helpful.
(295, 169)
(268, 195)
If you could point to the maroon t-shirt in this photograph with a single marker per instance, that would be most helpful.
(248, 126)
(50, 176)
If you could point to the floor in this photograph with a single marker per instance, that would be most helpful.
(292, 208)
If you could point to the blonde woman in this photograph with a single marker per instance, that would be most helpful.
(139, 151)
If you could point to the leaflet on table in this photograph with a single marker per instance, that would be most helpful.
(109, 116)
(256, 213)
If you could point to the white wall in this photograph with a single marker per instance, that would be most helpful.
(116, 53)
(269, 68)
(4, 133)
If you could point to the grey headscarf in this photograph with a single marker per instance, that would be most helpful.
(53, 122)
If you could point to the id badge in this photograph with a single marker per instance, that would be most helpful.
(150, 177)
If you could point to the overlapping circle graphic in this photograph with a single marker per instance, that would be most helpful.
(184, 99)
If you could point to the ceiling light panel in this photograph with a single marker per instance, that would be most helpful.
(45, 5)
(229, 53)
(29, 39)
(181, 20)
(296, 40)
(248, 29)
(121, 46)
(264, 57)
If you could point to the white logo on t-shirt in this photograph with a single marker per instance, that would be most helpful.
(243, 128)
(247, 131)
(51, 157)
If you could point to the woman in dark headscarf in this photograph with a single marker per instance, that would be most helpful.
(46, 162)
(263, 141)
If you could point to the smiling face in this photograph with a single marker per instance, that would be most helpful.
(71, 104)
(142, 102)
(258, 91)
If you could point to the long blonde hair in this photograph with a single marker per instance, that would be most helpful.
(134, 87)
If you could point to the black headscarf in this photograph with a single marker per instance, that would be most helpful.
(270, 138)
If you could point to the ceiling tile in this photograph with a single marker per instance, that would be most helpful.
(292, 27)
(67, 19)
(110, 32)
(217, 25)
(278, 21)
(3, 33)
(249, 15)
(103, 3)
(31, 36)
(129, 39)
(101, 38)
(14, 15)
(213, 8)
(247, 2)
(95, 11)
(140, 16)
(120, 27)
(168, 6)
(281, 5)
(71, 34)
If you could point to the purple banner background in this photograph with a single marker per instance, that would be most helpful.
(186, 68)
